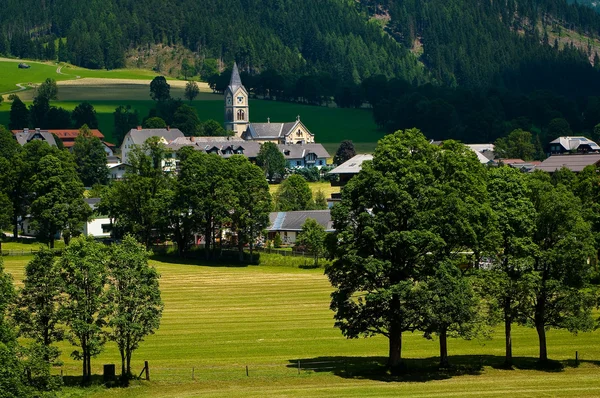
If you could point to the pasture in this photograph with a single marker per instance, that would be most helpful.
(218, 320)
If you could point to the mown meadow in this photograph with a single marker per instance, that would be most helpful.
(219, 319)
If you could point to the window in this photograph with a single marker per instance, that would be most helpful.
(241, 115)
(298, 133)
(298, 163)
(106, 228)
(320, 163)
(229, 115)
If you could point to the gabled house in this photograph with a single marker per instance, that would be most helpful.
(139, 135)
(288, 224)
(24, 136)
(67, 137)
(575, 163)
(572, 145)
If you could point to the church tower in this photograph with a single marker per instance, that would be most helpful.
(236, 105)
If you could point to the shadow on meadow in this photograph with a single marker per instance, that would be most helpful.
(199, 260)
(423, 369)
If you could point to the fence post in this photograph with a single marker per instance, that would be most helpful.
(147, 370)
(193, 374)
(576, 358)
(247, 375)
(298, 366)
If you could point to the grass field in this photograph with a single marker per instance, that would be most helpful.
(218, 320)
(314, 186)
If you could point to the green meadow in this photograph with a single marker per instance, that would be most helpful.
(217, 320)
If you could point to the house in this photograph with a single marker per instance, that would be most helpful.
(139, 135)
(237, 119)
(296, 155)
(288, 224)
(26, 135)
(575, 163)
(571, 145)
(116, 168)
(485, 152)
(100, 226)
(350, 168)
(67, 137)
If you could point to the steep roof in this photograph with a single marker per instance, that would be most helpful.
(236, 81)
(273, 130)
(575, 163)
(293, 220)
(298, 151)
(352, 165)
(572, 143)
(139, 136)
(25, 137)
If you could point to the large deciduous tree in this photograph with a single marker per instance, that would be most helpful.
(19, 114)
(412, 208)
(191, 90)
(125, 119)
(160, 90)
(312, 237)
(90, 158)
(271, 160)
(85, 114)
(82, 268)
(293, 194)
(517, 145)
(133, 297)
(344, 152)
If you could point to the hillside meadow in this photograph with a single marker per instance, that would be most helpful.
(218, 320)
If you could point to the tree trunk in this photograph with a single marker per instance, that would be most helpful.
(395, 353)
(51, 243)
(241, 249)
(207, 240)
(541, 330)
(89, 367)
(15, 227)
(128, 363)
(124, 373)
(508, 360)
(443, 348)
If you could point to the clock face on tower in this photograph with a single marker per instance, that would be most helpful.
(240, 100)
(228, 100)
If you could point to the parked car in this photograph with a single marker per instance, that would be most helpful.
(23, 65)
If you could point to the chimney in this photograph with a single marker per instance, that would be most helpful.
(37, 129)
(268, 120)
(26, 130)
(139, 127)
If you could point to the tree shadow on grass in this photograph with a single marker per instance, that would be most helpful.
(422, 369)
(195, 260)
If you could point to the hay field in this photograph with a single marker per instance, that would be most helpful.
(218, 320)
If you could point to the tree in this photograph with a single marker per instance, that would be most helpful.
(293, 194)
(507, 284)
(561, 269)
(557, 127)
(344, 152)
(56, 118)
(252, 202)
(38, 111)
(57, 203)
(160, 89)
(8, 145)
(312, 237)
(90, 158)
(137, 203)
(133, 297)
(155, 123)
(48, 90)
(38, 302)
(517, 145)
(19, 114)
(125, 120)
(186, 120)
(85, 113)
(191, 90)
(320, 201)
(271, 160)
(82, 268)
(212, 128)
(6, 215)
(413, 207)
(450, 307)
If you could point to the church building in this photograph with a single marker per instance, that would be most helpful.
(237, 119)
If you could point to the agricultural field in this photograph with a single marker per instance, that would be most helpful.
(218, 320)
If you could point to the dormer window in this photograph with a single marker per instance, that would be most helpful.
(299, 133)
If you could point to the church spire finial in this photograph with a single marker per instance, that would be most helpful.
(235, 76)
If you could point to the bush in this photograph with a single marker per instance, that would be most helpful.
(277, 241)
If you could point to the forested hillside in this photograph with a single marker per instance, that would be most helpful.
(306, 36)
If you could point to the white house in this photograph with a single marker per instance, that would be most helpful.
(100, 226)
(139, 135)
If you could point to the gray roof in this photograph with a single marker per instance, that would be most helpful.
(574, 163)
(572, 143)
(92, 202)
(227, 146)
(352, 165)
(293, 220)
(139, 136)
(272, 130)
(25, 137)
(236, 81)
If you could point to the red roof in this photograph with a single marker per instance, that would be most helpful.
(65, 134)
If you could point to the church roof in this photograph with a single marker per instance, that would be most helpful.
(236, 81)
(272, 130)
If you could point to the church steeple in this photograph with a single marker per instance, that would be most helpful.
(236, 104)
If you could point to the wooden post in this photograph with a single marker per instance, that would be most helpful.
(147, 369)
(576, 358)
(298, 366)
(247, 371)
(193, 373)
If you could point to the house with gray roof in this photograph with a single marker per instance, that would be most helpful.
(288, 224)
(572, 145)
(139, 135)
(297, 155)
(28, 135)
(575, 163)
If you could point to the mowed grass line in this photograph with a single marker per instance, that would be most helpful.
(217, 320)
